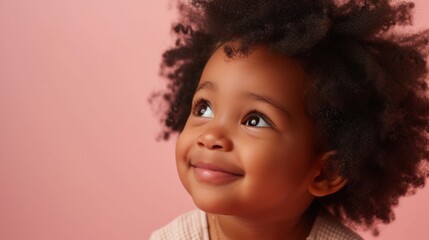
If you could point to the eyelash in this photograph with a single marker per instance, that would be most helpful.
(198, 102)
(258, 114)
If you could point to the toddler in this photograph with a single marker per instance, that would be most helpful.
(295, 117)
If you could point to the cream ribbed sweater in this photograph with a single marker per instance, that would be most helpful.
(193, 226)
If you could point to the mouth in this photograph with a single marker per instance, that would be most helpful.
(213, 174)
(215, 168)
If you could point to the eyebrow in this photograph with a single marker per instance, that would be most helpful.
(210, 86)
(206, 85)
(269, 101)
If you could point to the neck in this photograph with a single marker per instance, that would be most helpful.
(225, 227)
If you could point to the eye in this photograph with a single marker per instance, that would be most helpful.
(202, 108)
(256, 120)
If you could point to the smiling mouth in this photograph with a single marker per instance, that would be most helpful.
(211, 167)
(211, 174)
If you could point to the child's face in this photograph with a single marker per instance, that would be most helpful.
(249, 120)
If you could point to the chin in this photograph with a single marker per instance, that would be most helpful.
(215, 204)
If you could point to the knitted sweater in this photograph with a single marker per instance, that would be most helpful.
(193, 226)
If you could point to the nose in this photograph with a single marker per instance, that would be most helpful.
(215, 139)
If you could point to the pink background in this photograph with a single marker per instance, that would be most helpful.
(78, 156)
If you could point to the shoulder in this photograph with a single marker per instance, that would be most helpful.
(327, 227)
(191, 225)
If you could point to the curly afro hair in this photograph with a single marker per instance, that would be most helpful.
(369, 98)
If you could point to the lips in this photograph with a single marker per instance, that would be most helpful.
(215, 168)
(212, 174)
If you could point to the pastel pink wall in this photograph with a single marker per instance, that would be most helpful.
(78, 156)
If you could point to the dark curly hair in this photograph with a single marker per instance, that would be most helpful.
(369, 98)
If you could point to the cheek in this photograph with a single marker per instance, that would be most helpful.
(183, 144)
(278, 162)
(263, 162)
(181, 152)
(180, 146)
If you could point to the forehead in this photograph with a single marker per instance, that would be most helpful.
(260, 70)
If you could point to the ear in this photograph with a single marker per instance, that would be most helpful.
(328, 178)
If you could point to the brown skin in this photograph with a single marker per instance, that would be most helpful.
(272, 150)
